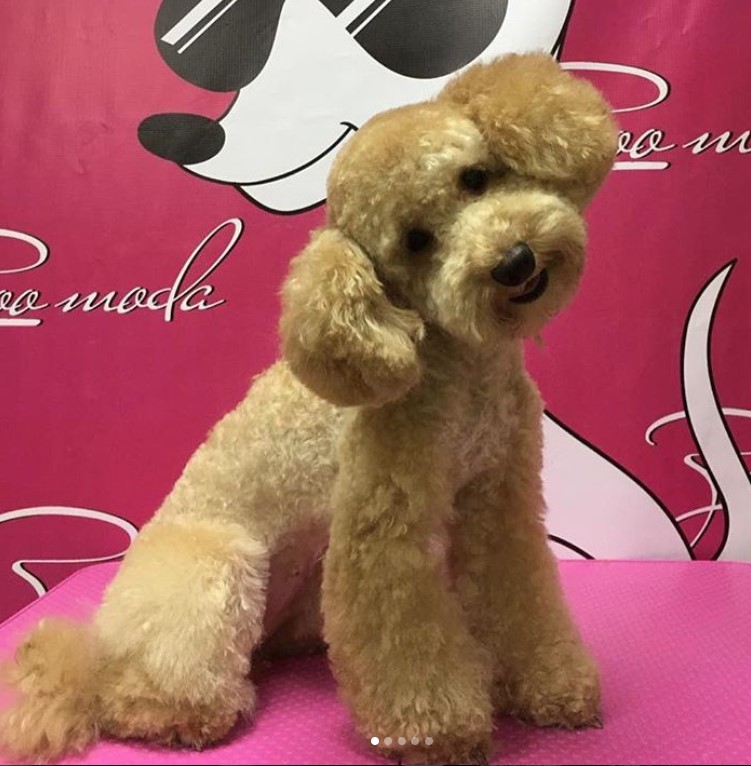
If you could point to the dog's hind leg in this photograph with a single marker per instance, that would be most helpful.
(166, 657)
(168, 654)
(177, 628)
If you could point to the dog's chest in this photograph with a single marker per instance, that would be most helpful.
(483, 426)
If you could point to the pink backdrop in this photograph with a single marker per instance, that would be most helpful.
(102, 406)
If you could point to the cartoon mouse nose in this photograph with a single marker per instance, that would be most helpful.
(182, 138)
(517, 266)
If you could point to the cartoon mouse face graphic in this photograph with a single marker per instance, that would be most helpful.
(309, 72)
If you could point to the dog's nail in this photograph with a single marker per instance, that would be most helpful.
(478, 757)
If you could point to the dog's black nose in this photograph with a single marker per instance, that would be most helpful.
(182, 138)
(517, 266)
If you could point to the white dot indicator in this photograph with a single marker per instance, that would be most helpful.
(374, 740)
(415, 740)
(402, 741)
(428, 741)
(387, 741)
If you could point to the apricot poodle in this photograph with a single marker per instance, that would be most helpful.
(385, 473)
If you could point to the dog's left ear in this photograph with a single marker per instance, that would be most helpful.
(341, 335)
(539, 120)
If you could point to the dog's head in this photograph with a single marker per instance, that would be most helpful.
(464, 212)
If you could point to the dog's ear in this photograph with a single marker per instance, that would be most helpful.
(341, 335)
(539, 120)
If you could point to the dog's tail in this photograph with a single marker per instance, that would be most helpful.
(54, 682)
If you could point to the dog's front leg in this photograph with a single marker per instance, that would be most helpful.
(404, 659)
(507, 578)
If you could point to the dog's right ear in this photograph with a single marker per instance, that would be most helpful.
(341, 336)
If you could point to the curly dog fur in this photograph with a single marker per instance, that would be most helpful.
(400, 436)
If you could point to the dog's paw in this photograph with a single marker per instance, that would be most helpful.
(456, 730)
(176, 728)
(197, 732)
(176, 724)
(468, 749)
(562, 690)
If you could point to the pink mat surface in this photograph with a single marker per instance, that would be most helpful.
(673, 641)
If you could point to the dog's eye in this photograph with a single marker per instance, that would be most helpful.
(474, 180)
(418, 240)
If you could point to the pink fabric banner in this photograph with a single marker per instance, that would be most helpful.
(160, 162)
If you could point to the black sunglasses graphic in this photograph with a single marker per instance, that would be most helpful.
(222, 45)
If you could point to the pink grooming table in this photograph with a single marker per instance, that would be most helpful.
(673, 641)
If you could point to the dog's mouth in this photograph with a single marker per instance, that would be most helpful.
(533, 288)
